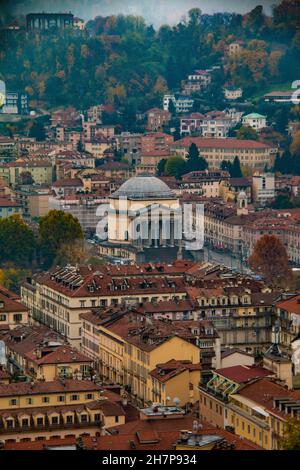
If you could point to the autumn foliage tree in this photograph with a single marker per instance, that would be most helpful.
(57, 229)
(269, 259)
(291, 437)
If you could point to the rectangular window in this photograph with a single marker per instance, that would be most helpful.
(17, 317)
(45, 399)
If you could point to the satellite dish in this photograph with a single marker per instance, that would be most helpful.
(176, 401)
(168, 398)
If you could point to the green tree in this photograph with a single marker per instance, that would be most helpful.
(194, 161)
(291, 437)
(80, 146)
(282, 201)
(175, 166)
(247, 132)
(17, 242)
(161, 166)
(56, 229)
(236, 171)
(13, 278)
(37, 130)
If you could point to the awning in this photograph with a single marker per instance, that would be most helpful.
(261, 411)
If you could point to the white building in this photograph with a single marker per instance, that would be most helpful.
(232, 93)
(183, 104)
(263, 188)
(255, 120)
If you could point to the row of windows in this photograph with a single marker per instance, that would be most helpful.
(47, 399)
(17, 317)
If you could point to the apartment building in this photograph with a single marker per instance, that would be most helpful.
(215, 394)
(176, 381)
(33, 199)
(9, 207)
(39, 353)
(260, 410)
(253, 154)
(41, 171)
(157, 119)
(233, 93)
(8, 150)
(182, 104)
(242, 316)
(191, 125)
(58, 409)
(12, 311)
(255, 120)
(263, 188)
(130, 146)
(58, 297)
(197, 81)
(130, 347)
(208, 183)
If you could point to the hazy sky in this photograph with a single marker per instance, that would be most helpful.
(156, 12)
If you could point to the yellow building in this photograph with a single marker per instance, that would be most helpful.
(12, 312)
(175, 382)
(41, 171)
(58, 297)
(260, 410)
(129, 349)
(57, 409)
(252, 154)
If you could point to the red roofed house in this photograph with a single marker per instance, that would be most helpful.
(9, 207)
(215, 394)
(67, 186)
(12, 312)
(176, 379)
(157, 118)
(258, 411)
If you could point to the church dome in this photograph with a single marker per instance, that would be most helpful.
(144, 187)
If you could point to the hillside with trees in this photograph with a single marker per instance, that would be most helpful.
(125, 62)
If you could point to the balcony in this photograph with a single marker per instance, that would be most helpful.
(49, 427)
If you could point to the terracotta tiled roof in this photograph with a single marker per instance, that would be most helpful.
(242, 374)
(227, 143)
(263, 392)
(292, 305)
(61, 355)
(158, 435)
(56, 386)
(8, 304)
(40, 445)
(67, 182)
(168, 370)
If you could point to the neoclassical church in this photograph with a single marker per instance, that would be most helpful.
(144, 221)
